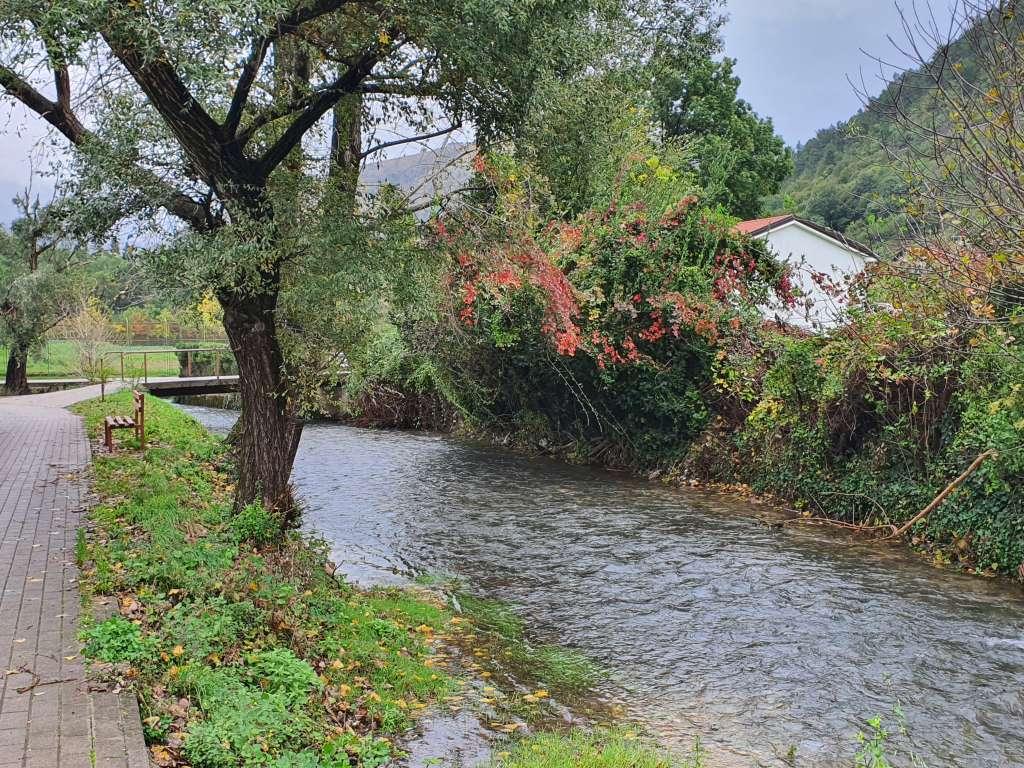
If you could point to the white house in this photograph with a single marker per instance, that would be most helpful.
(810, 249)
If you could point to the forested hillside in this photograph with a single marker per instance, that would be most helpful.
(846, 176)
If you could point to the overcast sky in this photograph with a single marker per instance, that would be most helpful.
(794, 57)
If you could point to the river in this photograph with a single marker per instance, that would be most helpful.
(711, 620)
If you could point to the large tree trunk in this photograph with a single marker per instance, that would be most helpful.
(16, 380)
(268, 436)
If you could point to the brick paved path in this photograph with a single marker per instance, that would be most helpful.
(58, 723)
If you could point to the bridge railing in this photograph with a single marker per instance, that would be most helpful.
(198, 362)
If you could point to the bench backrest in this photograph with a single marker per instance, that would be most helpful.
(140, 416)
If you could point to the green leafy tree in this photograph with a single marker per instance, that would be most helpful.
(39, 280)
(218, 113)
(604, 329)
(580, 129)
(740, 159)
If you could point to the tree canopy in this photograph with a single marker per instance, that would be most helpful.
(739, 158)
(246, 123)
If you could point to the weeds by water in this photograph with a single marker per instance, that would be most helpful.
(884, 739)
(549, 665)
(610, 749)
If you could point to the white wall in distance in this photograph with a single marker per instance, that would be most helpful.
(808, 250)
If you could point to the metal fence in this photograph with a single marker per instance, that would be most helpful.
(195, 362)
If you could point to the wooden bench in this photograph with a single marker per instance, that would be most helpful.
(137, 422)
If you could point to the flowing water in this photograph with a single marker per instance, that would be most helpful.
(711, 620)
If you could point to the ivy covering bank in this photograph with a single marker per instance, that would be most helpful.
(244, 651)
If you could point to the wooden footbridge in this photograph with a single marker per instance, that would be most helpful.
(196, 385)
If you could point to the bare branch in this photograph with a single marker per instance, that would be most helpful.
(410, 140)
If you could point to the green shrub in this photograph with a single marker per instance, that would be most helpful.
(204, 628)
(117, 640)
(188, 567)
(347, 751)
(281, 672)
(256, 526)
(246, 728)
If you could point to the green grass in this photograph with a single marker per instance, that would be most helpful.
(277, 660)
(611, 749)
(245, 653)
(59, 360)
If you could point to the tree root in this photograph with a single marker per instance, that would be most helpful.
(858, 527)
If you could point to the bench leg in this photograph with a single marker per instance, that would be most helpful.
(108, 437)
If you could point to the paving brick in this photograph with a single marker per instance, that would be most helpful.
(43, 452)
(11, 739)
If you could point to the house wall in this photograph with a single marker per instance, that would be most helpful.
(807, 250)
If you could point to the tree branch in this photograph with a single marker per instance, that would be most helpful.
(324, 99)
(56, 114)
(285, 25)
(198, 134)
(62, 81)
(245, 82)
(398, 89)
(397, 142)
(279, 111)
(60, 116)
(937, 501)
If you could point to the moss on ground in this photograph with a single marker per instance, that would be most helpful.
(245, 651)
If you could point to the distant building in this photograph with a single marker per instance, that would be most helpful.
(815, 252)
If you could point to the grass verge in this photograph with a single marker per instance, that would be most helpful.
(250, 654)
(243, 655)
(603, 749)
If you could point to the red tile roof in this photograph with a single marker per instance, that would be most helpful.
(756, 226)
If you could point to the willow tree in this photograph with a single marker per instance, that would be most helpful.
(39, 283)
(212, 113)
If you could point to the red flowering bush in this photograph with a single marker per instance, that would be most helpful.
(607, 324)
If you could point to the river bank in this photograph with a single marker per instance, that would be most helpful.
(246, 653)
(713, 464)
(711, 619)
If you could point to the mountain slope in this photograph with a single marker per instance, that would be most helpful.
(846, 177)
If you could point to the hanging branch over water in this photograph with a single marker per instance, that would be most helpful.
(898, 532)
